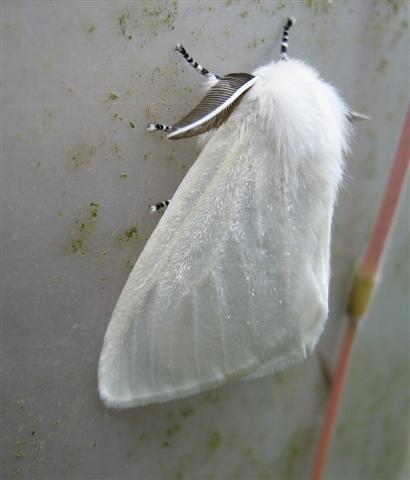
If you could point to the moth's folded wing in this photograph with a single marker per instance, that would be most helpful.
(223, 285)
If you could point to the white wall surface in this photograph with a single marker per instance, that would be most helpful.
(75, 78)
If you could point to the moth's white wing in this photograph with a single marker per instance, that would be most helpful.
(234, 280)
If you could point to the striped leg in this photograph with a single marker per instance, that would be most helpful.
(212, 77)
(284, 44)
(153, 127)
(199, 68)
(159, 205)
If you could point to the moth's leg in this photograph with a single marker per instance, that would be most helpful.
(199, 68)
(212, 79)
(153, 127)
(355, 116)
(284, 44)
(159, 205)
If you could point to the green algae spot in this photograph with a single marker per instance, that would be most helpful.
(395, 4)
(55, 280)
(162, 14)
(318, 6)
(155, 11)
(115, 116)
(89, 28)
(82, 155)
(382, 66)
(372, 134)
(39, 167)
(123, 21)
(214, 441)
(112, 96)
(128, 264)
(169, 20)
(154, 15)
(94, 209)
(299, 447)
(123, 175)
(77, 246)
(59, 214)
(130, 235)
(187, 411)
(32, 439)
(243, 14)
(210, 397)
(251, 455)
(156, 71)
(172, 430)
(132, 125)
(143, 437)
(84, 230)
(278, 8)
(118, 151)
(282, 378)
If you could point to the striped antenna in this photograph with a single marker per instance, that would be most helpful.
(284, 44)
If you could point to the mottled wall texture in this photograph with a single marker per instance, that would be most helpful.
(79, 82)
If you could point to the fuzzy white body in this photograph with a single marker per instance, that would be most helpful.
(233, 282)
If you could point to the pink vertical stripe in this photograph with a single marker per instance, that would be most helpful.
(369, 266)
(389, 203)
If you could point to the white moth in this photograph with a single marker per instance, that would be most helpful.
(233, 283)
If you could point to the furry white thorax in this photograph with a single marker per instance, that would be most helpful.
(301, 114)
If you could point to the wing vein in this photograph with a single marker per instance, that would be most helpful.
(151, 352)
(133, 364)
(221, 300)
(195, 334)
